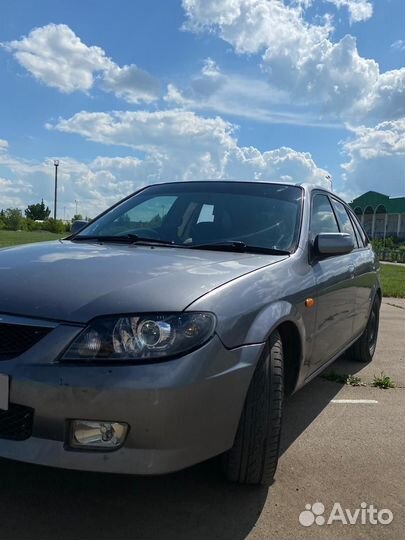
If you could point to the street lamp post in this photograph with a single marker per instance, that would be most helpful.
(56, 164)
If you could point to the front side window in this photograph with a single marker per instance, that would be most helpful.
(192, 213)
(323, 219)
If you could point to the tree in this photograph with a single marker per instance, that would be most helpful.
(77, 217)
(37, 211)
(13, 219)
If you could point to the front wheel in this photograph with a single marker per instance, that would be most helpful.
(253, 457)
(364, 348)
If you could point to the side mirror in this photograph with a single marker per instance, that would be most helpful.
(329, 244)
(78, 225)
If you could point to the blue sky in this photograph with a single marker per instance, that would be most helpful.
(268, 89)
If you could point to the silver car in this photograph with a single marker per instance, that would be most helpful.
(172, 327)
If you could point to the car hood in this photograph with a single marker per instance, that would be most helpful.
(75, 282)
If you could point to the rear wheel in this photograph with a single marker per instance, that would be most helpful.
(254, 455)
(364, 348)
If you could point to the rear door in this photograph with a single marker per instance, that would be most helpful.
(336, 290)
(366, 271)
(358, 261)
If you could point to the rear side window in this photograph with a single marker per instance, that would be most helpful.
(323, 219)
(344, 220)
(363, 240)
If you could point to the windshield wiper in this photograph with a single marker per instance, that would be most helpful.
(104, 238)
(126, 239)
(135, 238)
(238, 245)
(226, 245)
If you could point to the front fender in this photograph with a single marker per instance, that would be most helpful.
(270, 317)
(249, 308)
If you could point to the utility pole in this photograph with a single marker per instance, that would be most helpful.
(76, 202)
(56, 164)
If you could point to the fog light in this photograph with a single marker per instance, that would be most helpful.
(101, 435)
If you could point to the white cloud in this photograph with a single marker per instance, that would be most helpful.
(174, 145)
(56, 56)
(386, 101)
(359, 10)
(254, 25)
(13, 192)
(299, 57)
(376, 157)
(398, 45)
(181, 145)
(131, 83)
(150, 131)
(95, 185)
(3, 145)
(235, 94)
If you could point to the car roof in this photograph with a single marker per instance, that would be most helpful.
(308, 187)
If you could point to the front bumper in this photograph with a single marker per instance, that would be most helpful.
(180, 412)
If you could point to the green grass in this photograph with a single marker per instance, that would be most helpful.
(393, 280)
(12, 238)
(379, 381)
(383, 381)
(354, 380)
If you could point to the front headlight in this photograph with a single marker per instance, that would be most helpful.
(141, 337)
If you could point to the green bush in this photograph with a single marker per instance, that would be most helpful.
(54, 225)
(13, 219)
(377, 244)
(390, 243)
(34, 225)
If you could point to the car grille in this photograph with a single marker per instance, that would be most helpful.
(15, 339)
(16, 423)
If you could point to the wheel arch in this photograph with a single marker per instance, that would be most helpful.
(292, 352)
(288, 321)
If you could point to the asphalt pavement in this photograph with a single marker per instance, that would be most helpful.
(342, 446)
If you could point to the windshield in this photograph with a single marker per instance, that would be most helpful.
(196, 213)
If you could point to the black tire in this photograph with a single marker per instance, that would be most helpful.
(254, 455)
(364, 348)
